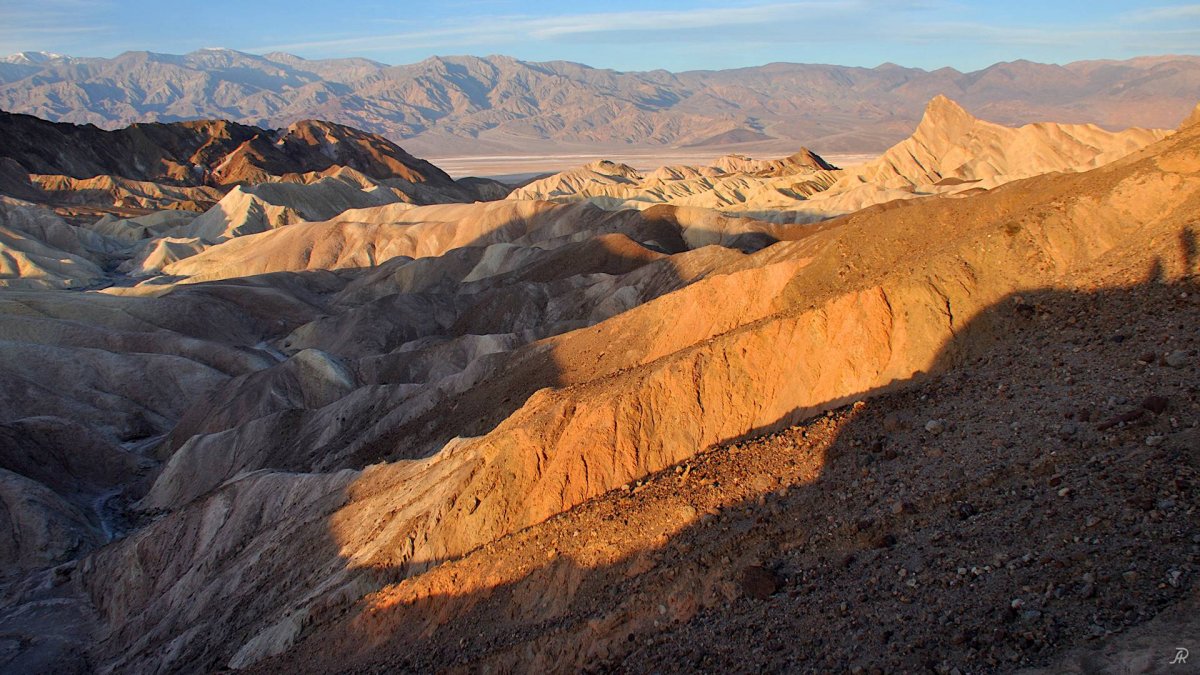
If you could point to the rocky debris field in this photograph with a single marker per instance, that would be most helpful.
(1032, 504)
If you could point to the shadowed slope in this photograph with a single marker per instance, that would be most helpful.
(862, 538)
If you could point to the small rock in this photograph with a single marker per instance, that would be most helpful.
(965, 510)
(1065, 492)
(1123, 418)
(893, 423)
(935, 426)
(759, 582)
(1154, 440)
(903, 507)
(1155, 404)
(1148, 357)
(1178, 359)
(1130, 576)
(886, 540)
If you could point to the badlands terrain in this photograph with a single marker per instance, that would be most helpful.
(287, 400)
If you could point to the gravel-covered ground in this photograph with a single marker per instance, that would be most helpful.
(1034, 502)
(1041, 496)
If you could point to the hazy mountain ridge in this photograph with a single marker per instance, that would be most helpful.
(499, 104)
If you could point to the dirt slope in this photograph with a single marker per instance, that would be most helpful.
(1020, 526)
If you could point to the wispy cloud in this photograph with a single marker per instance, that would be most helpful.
(506, 29)
(1160, 14)
(767, 22)
(632, 34)
(25, 25)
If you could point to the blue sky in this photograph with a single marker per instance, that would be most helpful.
(620, 34)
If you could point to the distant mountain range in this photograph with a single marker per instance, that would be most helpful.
(497, 104)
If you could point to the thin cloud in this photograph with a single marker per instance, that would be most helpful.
(773, 23)
(514, 28)
(23, 21)
(1048, 37)
(1159, 14)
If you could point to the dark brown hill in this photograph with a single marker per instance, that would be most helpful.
(206, 152)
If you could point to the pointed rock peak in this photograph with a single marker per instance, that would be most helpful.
(941, 106)
(1192, 120)
(944, 114)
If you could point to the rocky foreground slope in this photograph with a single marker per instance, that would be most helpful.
(502, 446)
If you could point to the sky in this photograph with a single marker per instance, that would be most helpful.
(620, 34)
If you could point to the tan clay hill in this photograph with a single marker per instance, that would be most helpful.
(950, 151)
(523, 435)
